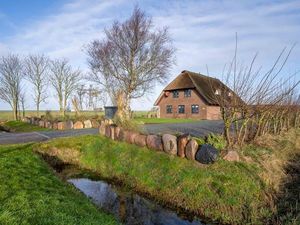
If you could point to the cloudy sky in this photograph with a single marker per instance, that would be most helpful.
(203, 32)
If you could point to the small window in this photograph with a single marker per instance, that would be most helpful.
(181, 109)
(195, 109)
(187, 93)
(175, 94)
(169, 109)
(217, 92)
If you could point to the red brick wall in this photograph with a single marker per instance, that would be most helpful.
(205, 111)
(181, 100)
(213, 113)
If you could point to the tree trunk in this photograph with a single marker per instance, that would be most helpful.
(38, 106)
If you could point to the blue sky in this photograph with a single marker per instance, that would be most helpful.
(203, 32)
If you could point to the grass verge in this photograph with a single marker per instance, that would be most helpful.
(31, 194)
(19, 126)
(224, 192)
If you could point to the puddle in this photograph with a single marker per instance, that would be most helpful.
(129, 208)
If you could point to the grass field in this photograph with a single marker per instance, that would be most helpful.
(138, 116)
(224, 192)
(19, 126)
(259, 192)
(7, 115)
(30, 193)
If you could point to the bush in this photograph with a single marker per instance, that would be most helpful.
(48, 115)
(216, 140)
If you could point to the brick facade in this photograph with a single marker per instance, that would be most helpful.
(205, 111)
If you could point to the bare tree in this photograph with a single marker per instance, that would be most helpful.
(132, 58)
(36, 70)
(64, 80)
(22, 103)
(10, 81)
(80, 92)
(256, 101)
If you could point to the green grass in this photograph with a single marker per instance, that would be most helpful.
(224, 192)
(30, 193)
(18, 126)
(163, 120)
(6, 115)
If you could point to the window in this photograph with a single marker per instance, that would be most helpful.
(217, 92)
(181, 109)
(195, 109)
(169, 109)
(187, 93)
(175, 94)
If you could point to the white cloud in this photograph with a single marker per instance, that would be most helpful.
(203, 32)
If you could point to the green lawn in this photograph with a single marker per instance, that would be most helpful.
(19, 126)
(6, 115)
(163, 120)
(30, 193)
(224, 192)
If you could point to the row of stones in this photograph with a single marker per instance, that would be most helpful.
(182, 146)
(64, 125)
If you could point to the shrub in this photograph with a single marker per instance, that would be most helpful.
(216, 140)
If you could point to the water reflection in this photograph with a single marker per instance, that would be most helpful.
(130, 209)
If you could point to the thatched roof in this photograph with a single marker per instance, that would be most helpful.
(206, 86)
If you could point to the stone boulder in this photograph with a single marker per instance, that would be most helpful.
(232, 156)
(191, 149)
(41, 123)
(130, 136)
(95, 124)
(170, 144)
(154, 142)
(69, 125)
(207, 154)
(117, 133)
(78, 125)
(60, 125)
(107, 131)
(182, 141)
(122, 134)
(102, 128)
(87, 124)
(48, 125)
(66, 125)
(108, 121)
(140, 140)
(36, 121)
(55, 125)
(26, 120)
(112, 131)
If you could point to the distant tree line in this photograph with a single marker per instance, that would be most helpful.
(42, 73)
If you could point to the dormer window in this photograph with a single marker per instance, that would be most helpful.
(229, 94)
(217, 92)
(175, 94)
(187, 93)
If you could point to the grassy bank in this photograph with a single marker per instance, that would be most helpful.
(19, 126)
(30, 193)
(224, 192)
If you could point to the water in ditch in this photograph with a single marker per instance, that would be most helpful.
(129, 208)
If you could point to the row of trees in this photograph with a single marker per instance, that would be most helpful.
(131, 59)
(41, 72)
